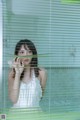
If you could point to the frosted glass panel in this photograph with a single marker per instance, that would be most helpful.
(31, 7)
(57, 26)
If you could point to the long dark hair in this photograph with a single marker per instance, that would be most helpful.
(34, 61)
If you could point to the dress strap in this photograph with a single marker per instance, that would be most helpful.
(33, 75)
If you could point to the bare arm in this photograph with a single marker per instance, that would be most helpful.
(14, 82)
(43, 78)
(13, 87)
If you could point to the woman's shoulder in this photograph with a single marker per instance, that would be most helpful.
(43, 74)
(42, 71)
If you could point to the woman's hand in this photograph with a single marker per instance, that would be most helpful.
(18, 65)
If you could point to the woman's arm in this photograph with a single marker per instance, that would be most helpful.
(43, 78)
(14, 82)
(13, 86)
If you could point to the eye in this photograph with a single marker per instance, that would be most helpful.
(21, 52)
(30, 51)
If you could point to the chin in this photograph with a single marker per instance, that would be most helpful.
(28, 63)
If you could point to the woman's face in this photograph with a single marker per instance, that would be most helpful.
(26, 55)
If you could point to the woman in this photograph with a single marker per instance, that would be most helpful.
(26, 81)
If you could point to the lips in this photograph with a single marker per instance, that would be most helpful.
(26, 60)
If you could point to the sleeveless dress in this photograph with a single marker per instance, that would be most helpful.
(28, 102)
(30, 94)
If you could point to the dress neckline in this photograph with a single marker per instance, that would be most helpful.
(32, 79)
(26, 83)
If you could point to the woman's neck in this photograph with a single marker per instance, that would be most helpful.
(27, 74)
(27, 69)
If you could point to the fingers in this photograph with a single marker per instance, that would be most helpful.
(22, 64)
(15, 62)
(18, 65)
(18, 62)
